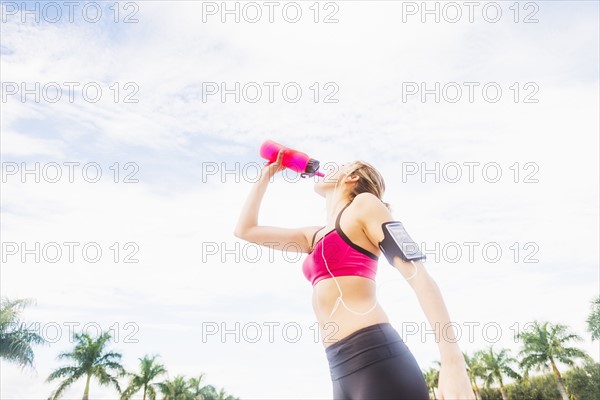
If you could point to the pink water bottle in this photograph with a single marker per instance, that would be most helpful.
(292, 159)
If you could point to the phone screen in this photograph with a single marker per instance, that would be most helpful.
(409, 247)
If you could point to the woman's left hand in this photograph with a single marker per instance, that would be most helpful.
(454, 384)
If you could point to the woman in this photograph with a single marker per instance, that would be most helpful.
(367, 357)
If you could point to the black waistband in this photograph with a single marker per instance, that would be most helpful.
(363, 347)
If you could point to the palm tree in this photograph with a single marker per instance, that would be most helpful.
(15, 338)
(201, 392)
(495, 365)
(432, 376)
(224, 396)
(177, 389)
(90, 360)
(208, 392)
(148, 372)
(546, 344)
(475, 370)
(593, 321)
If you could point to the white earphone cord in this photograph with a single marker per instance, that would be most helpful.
(337, 303)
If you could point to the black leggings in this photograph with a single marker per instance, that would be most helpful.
(375, 363)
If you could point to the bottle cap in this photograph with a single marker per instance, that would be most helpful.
(311, 169)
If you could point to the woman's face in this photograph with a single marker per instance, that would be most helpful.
(332, 176)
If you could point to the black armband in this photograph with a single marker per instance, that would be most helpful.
(397, 242)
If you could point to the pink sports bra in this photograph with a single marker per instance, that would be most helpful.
(343, 257)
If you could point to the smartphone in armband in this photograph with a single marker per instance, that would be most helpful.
(397, 242)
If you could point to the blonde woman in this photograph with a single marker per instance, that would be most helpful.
(367, 357)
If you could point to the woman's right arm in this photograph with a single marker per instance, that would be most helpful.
(247, 227)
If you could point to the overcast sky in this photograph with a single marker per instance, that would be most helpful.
(177, 163)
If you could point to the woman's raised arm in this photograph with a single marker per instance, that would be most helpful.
(247, 228)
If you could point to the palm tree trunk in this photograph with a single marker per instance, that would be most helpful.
(502, 389)
(474, 387)
(503, 392)
(433, 390)
(559, 382)
(145, 392)
(86, 392)
(476, 390)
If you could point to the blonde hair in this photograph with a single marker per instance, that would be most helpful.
(370, 180)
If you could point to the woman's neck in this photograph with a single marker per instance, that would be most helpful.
(333, 205)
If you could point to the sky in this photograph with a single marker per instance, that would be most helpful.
(163, 159)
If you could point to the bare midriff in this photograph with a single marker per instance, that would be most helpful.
(359, 295)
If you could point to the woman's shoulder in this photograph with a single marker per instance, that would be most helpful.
(367, 206)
